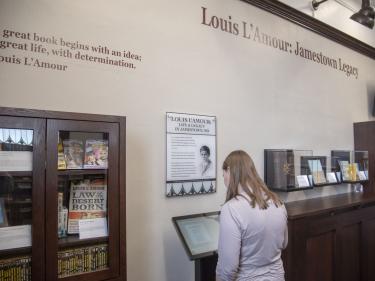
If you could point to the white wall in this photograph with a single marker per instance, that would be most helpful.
(262, 97)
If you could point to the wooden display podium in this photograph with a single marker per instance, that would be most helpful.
(199, 234)
(205, 268)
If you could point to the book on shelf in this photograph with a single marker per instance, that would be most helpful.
(3, 214)
(62, 216)
(23, 185)
(88, 200)
(73, 153)
(96, 154)
(18, 268)
(61, 161)
(82, 260)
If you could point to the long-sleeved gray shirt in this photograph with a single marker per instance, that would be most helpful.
(250, 241)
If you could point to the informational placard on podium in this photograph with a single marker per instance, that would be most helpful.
(199, 234)
(191, 154)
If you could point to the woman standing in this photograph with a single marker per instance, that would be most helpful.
(253, 225)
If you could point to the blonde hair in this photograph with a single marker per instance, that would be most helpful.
(243, 173)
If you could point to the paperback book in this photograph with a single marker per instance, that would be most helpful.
(62, 219)
(96, 154)
(61, 163)
(73, 152)
(88, 200)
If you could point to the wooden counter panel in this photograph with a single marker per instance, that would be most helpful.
(328, 205)
(331, 238)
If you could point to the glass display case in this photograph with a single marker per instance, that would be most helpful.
(315, 167)
(283, 169)
(291, 170)
(82, 201)
(21, 181)
(352, 166)
(337, 157)
(62, 196)
(82, 177)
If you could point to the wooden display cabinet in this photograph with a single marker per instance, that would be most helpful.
(331, 238)
(364, 139)
(75, 180)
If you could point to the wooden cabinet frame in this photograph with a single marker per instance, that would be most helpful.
(46, 125)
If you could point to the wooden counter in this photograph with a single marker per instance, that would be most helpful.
(331, 238)
(323, 205)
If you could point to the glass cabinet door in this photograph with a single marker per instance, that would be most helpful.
(21, 198)
(82, 200)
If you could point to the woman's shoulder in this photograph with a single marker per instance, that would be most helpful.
(243, 201)
(236, 203)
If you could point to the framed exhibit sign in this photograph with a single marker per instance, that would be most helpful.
(191, 154)
(199, 234)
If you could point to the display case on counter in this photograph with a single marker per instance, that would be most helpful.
(292, 170)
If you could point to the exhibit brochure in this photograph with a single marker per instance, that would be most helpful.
(331, 178)
(191, 154)
(362, 175)
(303, 181)
(92, 228)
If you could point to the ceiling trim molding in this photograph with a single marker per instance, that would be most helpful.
(286, 12)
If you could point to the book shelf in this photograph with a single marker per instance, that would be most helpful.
(72, 241)
(81, 172)
(16, 174)
(62, 212)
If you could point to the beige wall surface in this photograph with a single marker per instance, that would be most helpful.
(262, 97)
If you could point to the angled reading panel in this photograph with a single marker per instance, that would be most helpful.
(199, 234)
